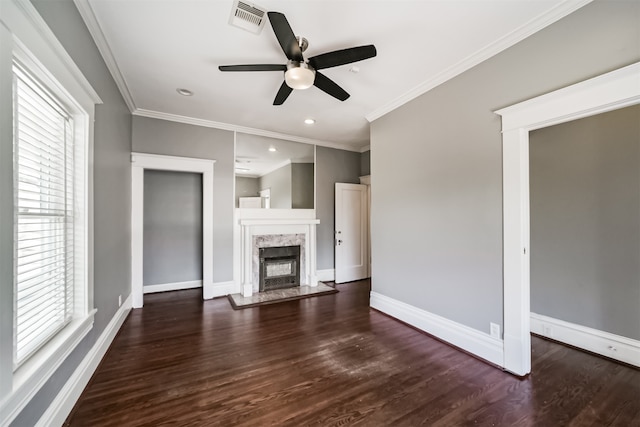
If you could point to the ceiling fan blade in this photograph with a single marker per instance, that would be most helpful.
(327, 85)
(285, 36)
(341, 57)
(253, 67)
(283, 94)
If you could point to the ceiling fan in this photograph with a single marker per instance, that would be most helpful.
(301, 74)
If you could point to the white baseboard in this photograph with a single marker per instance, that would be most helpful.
(176, 286)
(617, 347)
(475, 342)
(328, 275)
(218, 289)
(63, 403)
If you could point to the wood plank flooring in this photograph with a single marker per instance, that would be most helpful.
(332, 361)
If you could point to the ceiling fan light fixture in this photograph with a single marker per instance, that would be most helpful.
(299, 75)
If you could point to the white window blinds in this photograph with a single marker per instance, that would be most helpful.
(44, 225)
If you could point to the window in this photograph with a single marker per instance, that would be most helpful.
(44, 215)
(47, 111)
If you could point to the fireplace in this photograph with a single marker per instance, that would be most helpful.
(275, 228)
(279, 267)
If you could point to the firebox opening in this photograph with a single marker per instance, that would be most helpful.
(279, 267)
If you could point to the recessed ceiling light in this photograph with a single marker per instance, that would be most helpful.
(184, 92)
(354, 69)
(272, 149)
(309, 121)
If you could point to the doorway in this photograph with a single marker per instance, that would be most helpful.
(585, 233)
(617, 89)
(172, 246)
(141, 162)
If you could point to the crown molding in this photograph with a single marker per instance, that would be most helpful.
(17, 12)
(365, 149)
(534, 25)
(236, 128)
(90, 20)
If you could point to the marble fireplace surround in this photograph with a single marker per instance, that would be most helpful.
(269, 232)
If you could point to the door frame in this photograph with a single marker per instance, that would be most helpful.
(139, 163)
(610, 91)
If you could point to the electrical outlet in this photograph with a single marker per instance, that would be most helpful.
(119, 300)
(495, 330)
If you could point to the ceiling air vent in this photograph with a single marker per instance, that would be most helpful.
(248, 16)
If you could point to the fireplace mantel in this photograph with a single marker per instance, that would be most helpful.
(300, 227)
(275, 221)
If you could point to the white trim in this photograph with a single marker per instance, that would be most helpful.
(90, 20)
(365, 149)
(536, 24)
(142, 161)
(219, 289)
(617, 89)
(617, 347)
(328, 275)
(468, 339)
(61, 406)
(175, 286)
(35, 373)
(236, 128)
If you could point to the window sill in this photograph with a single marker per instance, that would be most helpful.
(36, 371)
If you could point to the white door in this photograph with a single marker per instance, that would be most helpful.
(351, 258)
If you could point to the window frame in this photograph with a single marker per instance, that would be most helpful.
(25, 38)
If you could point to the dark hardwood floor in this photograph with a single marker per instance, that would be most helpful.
(332, 361)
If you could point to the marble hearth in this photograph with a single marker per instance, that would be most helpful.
(255, 233)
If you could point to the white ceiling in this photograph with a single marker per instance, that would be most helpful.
(154, 47)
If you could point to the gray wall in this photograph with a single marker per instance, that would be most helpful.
(156, 136)
(246, 187)
(302, 185)
(585, 221)
(331, 166)
(112, 192)
(279, 181)
(365, 163)
(172, 227)
(436, 164)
